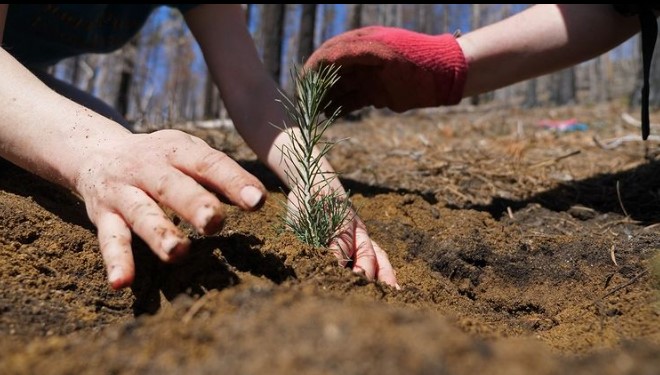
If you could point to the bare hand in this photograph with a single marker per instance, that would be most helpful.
(124, 180)
(353, 246)
(366, 255)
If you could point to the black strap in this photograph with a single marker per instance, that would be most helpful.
(649, 34)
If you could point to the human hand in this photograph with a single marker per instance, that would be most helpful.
(124, 180)
(366, 255)
(393, 68)
(352, 245)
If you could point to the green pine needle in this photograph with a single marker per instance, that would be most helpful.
(320, 211)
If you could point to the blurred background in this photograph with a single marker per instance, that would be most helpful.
(150, 80)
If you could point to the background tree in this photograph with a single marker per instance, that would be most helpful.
(273, 33)
(355, 17)
(563, 89)
(160, 78)
(306, 33)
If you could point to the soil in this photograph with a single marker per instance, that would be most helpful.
(519, 250)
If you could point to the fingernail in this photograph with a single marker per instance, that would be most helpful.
(397, 286)
(203, 217)
(251, 196)
(360, 271)
(116, 274)
(170, 243)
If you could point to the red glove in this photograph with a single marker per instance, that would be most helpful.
(394, 68)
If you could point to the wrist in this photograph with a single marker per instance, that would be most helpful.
(81, 147)
(91, 149)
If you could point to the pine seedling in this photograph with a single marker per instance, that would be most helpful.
(318, 211)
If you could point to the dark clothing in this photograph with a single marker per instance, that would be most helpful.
(649, 24)
(39, 35)
(635, 9)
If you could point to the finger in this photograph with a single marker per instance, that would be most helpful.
(343, 246)
(219, 172)
(369, 87)
(150, 223)
(385, 271)
(350, 52)
(365, 256)
(335, 98)
(407, 86)
(115, 244)
(352, 101)
(364, 96)
(370, 54)
(345, 103)
(186, 197)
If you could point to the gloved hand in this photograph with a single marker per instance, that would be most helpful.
(393, 68)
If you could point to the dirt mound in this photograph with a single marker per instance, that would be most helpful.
(518, 250)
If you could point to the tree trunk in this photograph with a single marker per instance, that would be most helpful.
(328, 19)
(391, 15)
(76, 71)
(211, 99)
(273, 31)
(563, 87)
(598, 89)
(425, 18)
(446, 15)
(531, 99)
(248, 14)
(126, 77)
(307, 25)
(475, 23)
(355, 17)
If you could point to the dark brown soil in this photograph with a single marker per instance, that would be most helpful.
(519, 251)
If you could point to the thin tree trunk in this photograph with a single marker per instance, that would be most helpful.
(126, 76)
(328, 19)
(307, 26)
(425, 18)
(476, 23)
(355, 18)
(212, 101)
(76, 70)
(597, 86)
(563, 87)
(531, 99)
(273, 31)
(446, 10)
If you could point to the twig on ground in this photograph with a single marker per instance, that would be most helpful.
(628, 119)
(618, 194)
(613, 256)
(556, 159)
(613, 143)
(652, 226)
(194, 309)
(626, 284)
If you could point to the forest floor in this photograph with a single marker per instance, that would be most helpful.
(520, 250)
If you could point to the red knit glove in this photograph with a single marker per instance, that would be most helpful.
(393, 68)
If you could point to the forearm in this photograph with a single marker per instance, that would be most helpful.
(540, 40)
(42, 131)
(248, 92)
(259, 119)
(250, 98)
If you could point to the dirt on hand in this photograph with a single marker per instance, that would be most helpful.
(519, 250)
